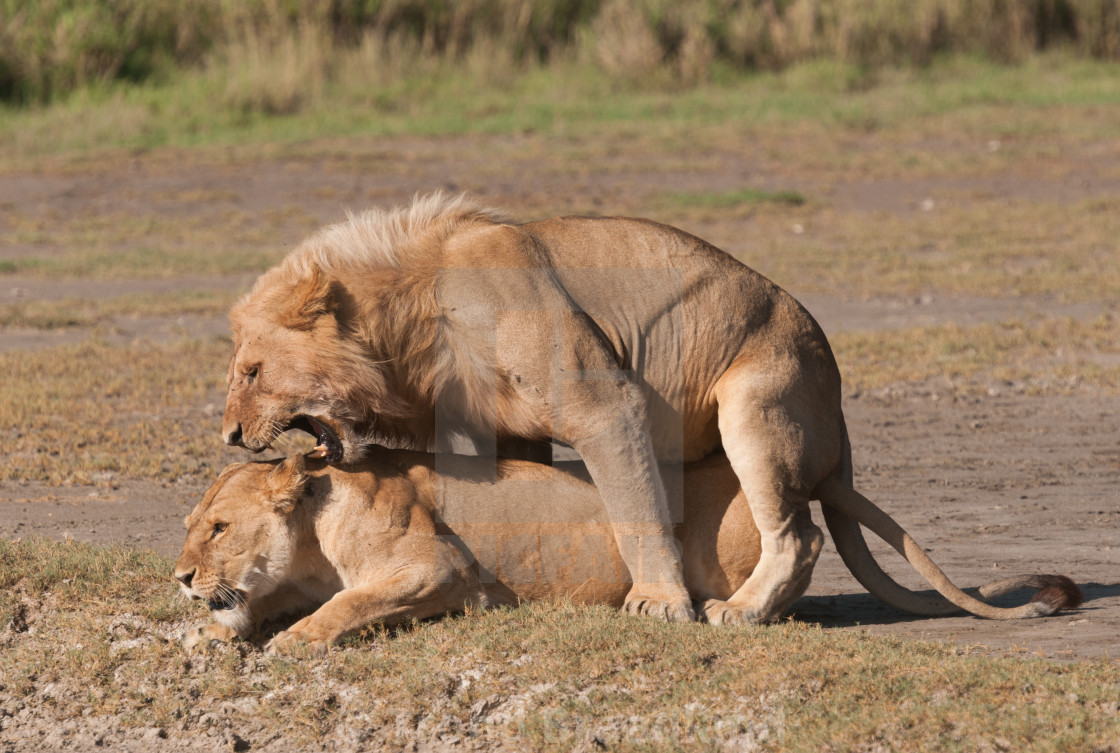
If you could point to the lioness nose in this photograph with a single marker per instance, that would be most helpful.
(234, 436)
(185, 578)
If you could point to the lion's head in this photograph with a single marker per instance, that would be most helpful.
(239, 544)
(346, 338)
(297, 365)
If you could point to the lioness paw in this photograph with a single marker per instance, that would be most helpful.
(294, 644)
(202, 635)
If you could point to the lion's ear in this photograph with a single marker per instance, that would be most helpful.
(309, 298)
(284, 484)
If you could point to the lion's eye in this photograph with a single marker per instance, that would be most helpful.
(251, 374)
(219, 528)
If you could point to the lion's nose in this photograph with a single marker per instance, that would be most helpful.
(186, 578)
(234, 436)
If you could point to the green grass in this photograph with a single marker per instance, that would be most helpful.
(734, 199)
(1052, 93)
(69, 570)
(98, 629)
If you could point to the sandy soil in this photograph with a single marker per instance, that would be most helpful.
(994, 485)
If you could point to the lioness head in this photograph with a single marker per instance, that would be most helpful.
(296, 366)
(239, 545)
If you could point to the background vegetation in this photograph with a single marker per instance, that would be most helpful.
(51, 48)
(78, 75)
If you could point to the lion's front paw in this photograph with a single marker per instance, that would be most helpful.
(202, 635)
(724, 613)
(295, 644)
(665, 606)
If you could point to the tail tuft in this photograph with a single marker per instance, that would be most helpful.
(1058, 592)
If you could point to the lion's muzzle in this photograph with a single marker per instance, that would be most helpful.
(233, 436)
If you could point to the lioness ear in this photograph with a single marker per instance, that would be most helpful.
(283, 486)
(309, 298)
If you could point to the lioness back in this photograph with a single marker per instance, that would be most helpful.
(535, 532)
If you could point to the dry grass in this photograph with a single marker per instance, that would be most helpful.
(98, 312)
(1041, 357)
(91, 643)
(147, 243)
(91, 413)
(983, 246)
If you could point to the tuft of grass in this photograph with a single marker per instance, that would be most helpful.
(105, 637)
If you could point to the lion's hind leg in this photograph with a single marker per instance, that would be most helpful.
(738, 609)
(778, 447)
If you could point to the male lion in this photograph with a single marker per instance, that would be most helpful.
(632, 342)
(391, 538)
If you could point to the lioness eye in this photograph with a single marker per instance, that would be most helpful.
(219, 528)
(252, 373)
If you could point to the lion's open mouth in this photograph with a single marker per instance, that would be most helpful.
(329, 447)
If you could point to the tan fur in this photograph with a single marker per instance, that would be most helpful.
(635, 343)
(392, 539)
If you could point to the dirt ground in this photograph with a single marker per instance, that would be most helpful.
(992, 485)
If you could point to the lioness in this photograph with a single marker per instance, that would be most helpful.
(391, 539)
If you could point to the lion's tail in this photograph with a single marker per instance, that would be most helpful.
(845, 509)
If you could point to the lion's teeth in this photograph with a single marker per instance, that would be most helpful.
(321, 451)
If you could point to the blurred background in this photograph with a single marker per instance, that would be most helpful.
(171, 72)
